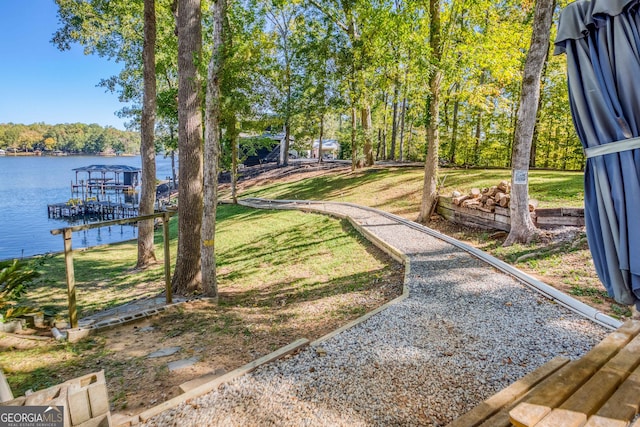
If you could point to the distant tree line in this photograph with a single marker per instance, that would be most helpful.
(77, 138)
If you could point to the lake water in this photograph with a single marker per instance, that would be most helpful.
(29, 183)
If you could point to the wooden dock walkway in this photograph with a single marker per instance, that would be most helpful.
(102, 210)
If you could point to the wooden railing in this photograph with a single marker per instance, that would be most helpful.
(68, 255)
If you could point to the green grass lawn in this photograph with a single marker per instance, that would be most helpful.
(282, 275)
(290, 248)
(398, 190)
(261, 245)
(568, 266)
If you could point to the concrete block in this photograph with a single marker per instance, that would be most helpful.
(12, 326)
(85, 380)
(79, 409)
(18, 401)
(43, 397)
(100, 421)
(98, 399)
(5, 391)
(76, 334)
(61, 400)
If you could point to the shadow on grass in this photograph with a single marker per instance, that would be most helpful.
(105, 277)
(323, 187)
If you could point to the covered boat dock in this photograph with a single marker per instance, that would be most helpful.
(104, 191)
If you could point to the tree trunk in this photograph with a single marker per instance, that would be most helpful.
(512, 119)
(478, 132)
(368, 140)
(187, 278)
(548, 145)
(409, 140)
(174, 176)
(384, 126)
(522, 227)
(403, 111)
(285, 153)
(476, 138)
(320, 138)
(534, 142)
(454, 130)
(212, 152)
(394, 123)
(233, 137)
(354, 148)
(146, 252)
(430, 189)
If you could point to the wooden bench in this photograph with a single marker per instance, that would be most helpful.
(601, 389)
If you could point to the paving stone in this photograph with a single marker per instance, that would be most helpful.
(164, 352)
(184, 363)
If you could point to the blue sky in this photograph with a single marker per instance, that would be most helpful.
(39, 83)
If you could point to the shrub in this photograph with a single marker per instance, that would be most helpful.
(15, 278)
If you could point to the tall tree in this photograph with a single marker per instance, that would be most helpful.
(146, 253)
(429, 188)
(320, 95)
(112, 29)
(212, 150)
(187, 277)
(350, 16)
(522, 227)
(282, 16)
(242, 81)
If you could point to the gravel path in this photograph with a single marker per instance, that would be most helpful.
(465, 332)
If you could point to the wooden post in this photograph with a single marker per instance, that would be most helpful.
(68, 256)
(167, 256)
(71, 282)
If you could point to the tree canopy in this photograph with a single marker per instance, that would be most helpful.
(78, 138)
(362, 66)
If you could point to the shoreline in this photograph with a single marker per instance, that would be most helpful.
(34, 154)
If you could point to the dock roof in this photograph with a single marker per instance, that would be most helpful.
(107, 168)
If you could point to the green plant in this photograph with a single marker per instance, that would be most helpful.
(15, 279)
(620, 311)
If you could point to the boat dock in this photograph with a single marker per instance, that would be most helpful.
(105, 192)
(101, 210)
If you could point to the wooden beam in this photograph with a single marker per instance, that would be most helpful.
(167, 256)
(110, 223)
(71, 281)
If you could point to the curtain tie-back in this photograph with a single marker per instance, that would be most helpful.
(612, 147)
